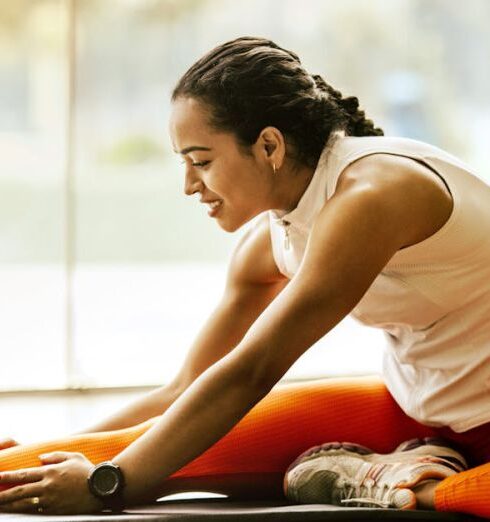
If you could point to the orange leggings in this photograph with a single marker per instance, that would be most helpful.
(251, 459)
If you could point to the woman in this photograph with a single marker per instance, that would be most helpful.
(388, 229)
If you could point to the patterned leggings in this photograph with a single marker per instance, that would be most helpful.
(251, 459)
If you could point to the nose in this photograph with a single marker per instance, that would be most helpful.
(192, 183)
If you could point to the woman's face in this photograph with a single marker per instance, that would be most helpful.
(236, 186)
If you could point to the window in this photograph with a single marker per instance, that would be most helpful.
(32, 156)
(107, 270)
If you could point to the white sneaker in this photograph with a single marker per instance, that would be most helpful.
(347, 474)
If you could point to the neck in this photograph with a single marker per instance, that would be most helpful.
(289, 187)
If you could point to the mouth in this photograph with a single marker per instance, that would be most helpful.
(214, 207)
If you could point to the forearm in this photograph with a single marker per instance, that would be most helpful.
(150, 405)
(201, 416)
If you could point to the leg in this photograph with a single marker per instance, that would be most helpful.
(97, 447)
(290, 419)
(251, 459)
(467, 492)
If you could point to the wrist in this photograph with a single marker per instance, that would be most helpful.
(106, 483)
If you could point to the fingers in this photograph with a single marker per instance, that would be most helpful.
(30, 504)
(19, 494)
(56, 457)
(21, 476)
(8, 443)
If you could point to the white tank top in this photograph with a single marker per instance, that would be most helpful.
(432, 299)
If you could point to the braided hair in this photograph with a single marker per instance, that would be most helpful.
(250, 83)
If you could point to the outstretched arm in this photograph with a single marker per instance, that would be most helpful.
(353, 238)
(252, 283)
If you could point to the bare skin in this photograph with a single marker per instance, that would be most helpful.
(380, 200)
(244, 183)
(425, 494)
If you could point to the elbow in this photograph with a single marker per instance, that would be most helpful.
(266, 381)
(260, 376)
(251, 370)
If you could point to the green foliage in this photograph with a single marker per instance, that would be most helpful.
(132, 150)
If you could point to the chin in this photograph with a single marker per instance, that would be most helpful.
(231, 222)
(231, 226)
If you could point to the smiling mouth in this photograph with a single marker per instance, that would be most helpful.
(214, 206)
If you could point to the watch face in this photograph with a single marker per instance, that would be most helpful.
(105, 481)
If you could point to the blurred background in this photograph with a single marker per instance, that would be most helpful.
(107, 271)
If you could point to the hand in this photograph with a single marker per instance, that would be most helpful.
(59, 487)
(8, 443)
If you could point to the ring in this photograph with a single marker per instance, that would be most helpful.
(35, 502)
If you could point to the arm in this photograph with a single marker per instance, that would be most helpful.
(253, 281)
(354, 236)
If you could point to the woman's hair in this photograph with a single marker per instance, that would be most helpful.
(251, 83)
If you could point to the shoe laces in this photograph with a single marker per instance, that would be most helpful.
(367, 492)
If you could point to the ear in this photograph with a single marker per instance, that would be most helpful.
(271, 146)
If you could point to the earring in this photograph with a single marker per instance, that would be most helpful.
(274, 168)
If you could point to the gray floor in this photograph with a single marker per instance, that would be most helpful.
(226, 511)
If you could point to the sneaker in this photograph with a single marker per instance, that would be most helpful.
(347, 474)
(425, 446)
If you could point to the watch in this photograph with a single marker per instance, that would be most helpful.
(106, 482)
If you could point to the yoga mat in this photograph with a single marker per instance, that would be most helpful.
(224, 510)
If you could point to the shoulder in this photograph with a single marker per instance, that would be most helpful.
(252, 260)
(399, 188)
(381, 205)
(394, 174)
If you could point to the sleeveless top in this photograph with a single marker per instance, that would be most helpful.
(432, 299)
